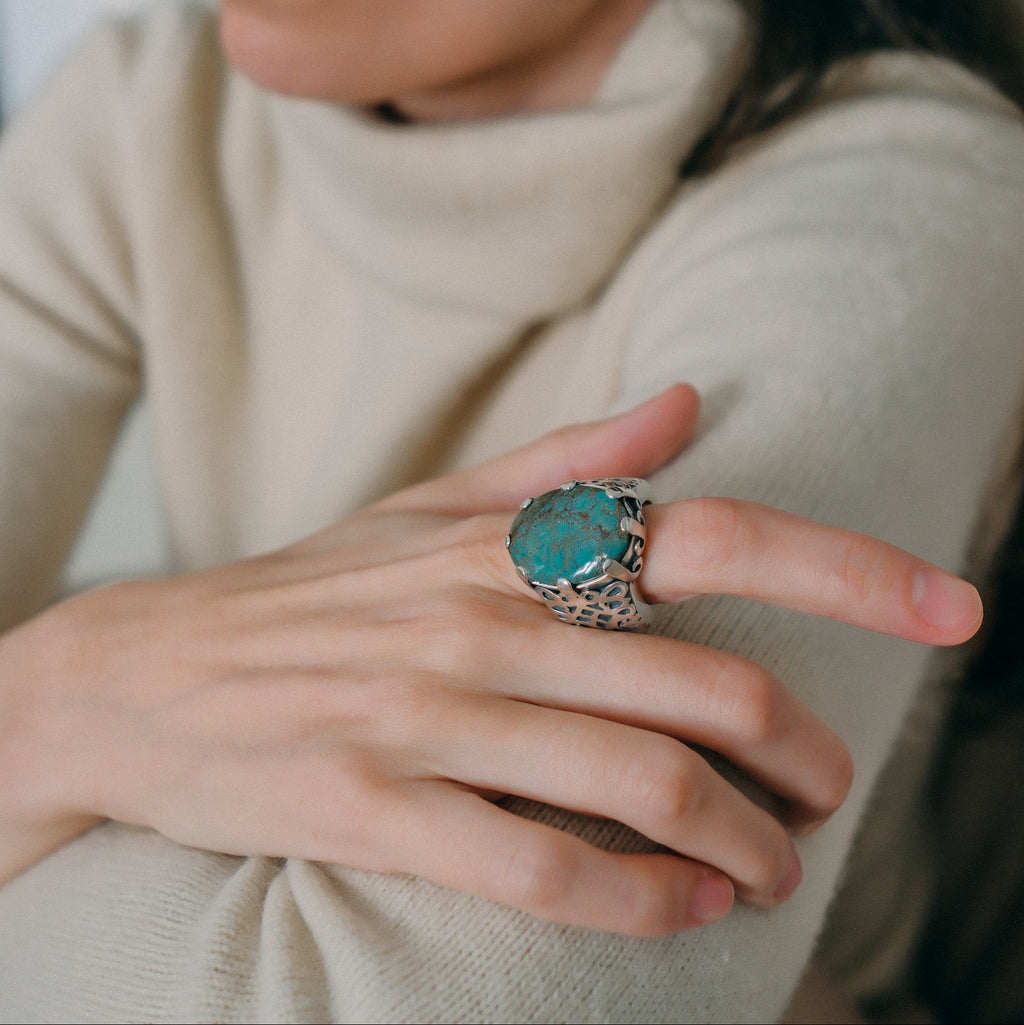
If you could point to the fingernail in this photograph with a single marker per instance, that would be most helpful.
(712, 897)
(945, 601)
(792, 879)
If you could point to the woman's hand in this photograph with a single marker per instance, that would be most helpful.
(360, 697)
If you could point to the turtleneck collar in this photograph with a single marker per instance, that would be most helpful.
(521, 216)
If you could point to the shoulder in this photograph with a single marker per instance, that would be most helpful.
(895, 132)
(96, 171)
(900, 190)
(136, 47)
(128, 70)
(131, 121)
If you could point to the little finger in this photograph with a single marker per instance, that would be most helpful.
(457, 839)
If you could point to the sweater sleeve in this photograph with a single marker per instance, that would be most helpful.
(68, 361)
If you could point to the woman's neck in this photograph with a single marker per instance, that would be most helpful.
(565, 75)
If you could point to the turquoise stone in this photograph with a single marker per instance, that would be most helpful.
(567, 534)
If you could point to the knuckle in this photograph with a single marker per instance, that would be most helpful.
(711, 532)
(470, 549)
(840, 780)
(350, 792)
(768, 862)
(413, 703)
(564, 445)
(664, 785)
(755, 709)
(654, 909)
(460, 633)
(858, 573)
(470, 533)
(765, 871)
(539, 875)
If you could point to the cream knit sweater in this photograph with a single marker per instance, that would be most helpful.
(323, 308)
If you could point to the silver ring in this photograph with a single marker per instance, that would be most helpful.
(580, 547)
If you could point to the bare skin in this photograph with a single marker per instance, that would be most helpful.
(435, 60)
(308, 703)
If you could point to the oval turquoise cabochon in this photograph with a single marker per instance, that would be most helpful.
(568, 533)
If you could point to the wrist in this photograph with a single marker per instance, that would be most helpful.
(37, 814)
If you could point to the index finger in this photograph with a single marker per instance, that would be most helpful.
(638, 440)
(728, 546)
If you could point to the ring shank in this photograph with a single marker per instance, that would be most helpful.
(612, 606)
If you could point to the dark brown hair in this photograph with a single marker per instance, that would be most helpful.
(795, 42)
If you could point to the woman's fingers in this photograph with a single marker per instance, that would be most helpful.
(636, 442)
(712, 699)
(457, 839)
(725, 546)
(646, 780)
